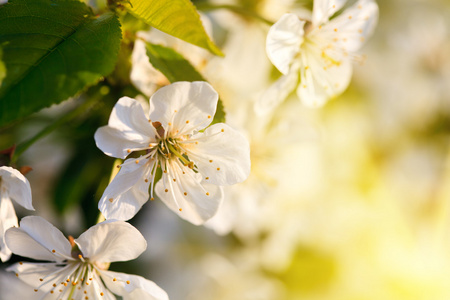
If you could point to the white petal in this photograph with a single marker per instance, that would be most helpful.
(128, 128)
(31, 273)
(353, 26)
(276, 93)
(12, 288)
(8, 219)
(188, 106)
(143, 75)
(111, 241)
(222, 154)
(138, 287)
(116, 143)
(324, 9)
(320, 82)
(16, 185)
(284, 40)
(128, 191)
(197, 206)
(36, 238)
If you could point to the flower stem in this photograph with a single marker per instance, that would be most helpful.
(114, 172)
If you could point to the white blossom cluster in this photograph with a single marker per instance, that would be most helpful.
(206, 173)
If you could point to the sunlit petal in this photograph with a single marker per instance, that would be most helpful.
(110, 241)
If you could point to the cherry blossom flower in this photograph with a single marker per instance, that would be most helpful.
(195, 161)
(319, 51)
(77, 268)
(13, 185)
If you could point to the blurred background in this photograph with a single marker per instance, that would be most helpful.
(348, 201)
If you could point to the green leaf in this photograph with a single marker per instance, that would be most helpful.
(52, 50)
(176, 68)
(176, 17)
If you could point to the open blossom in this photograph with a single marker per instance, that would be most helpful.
(319, 51)
(77, 269)
(195, 161)
(13, 185)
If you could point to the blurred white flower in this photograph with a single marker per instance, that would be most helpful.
(78, 268)
(148, 79)
(250, 207)
(319, 51)
(195, 164)
(13, 185)
(238, 278)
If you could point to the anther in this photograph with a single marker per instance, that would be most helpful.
(349, 17)
(137, 161)
(187, 121)
(129, 150)
(175, 110)
(54, 285)
(207, 194)
(17, 274)
(180, 209)
(209, 117)
(218, 169)
(114, 279)
(20, 263)
(185, 193)
(35, 290)
(101, 294)
(111, 200)
(210, 160)
(174, 180)
(207, 178)
(54, 251)
(222, 130)
(151, 199)
(128, 282)
(170, 124)
(166, 190)
(335, 30)
(40, 279)
(146, 180)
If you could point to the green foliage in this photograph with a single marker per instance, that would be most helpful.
(176, 17)
(176, 68)
(2, 67)
(52, 50)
